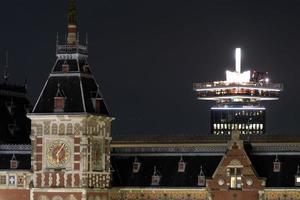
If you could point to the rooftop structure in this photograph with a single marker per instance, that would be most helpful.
(238, 99)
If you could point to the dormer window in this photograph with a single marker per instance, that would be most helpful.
(97, 100)
(201, 178)
(181, 165)
(136, 166)
(65, 67)
(155, 179)
(10, 107)
(276, 165)
(86, 68)
(97, 104)
(59, 104)
(59, 100)
(14, 163)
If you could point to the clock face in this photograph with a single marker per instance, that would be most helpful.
(221, 181)
(249, 181)
(97, 155)
(58, 153)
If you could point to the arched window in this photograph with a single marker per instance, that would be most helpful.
(62, 129)
(69, 128)
(54, 129)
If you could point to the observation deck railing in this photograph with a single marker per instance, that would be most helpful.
(224, 85)
(71, 49)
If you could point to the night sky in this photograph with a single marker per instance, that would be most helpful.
(147, 54)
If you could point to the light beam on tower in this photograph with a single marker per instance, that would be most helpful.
(238, 60)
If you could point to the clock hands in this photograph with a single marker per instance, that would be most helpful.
(58, 152)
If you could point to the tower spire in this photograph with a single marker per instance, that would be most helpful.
(72, 22)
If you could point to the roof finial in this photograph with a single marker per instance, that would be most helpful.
(72, 22)
(6, 75)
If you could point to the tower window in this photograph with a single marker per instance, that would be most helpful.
(59, 104)
(65, 68)
(59, 100)
(97, 104)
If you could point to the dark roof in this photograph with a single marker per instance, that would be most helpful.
(167, 166)
(24, 161)
(14, 125)
(78, 85)
(199, 138)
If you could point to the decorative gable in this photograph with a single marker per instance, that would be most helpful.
(235, 175)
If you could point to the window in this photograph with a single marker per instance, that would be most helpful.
(20, 181)
(235, 178)
(3, 180)
(13, 164)
(12, 180)
(59, 104)
(69, 128)
(65, 68)
(97, 104)
(297, 180)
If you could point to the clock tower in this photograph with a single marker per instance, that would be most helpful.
(71, 127)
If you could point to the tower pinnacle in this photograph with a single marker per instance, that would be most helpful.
(72, 22)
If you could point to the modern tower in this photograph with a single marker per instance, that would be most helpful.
(238, 100)
(71, 126)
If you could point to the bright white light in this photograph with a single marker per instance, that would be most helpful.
(238, 60)
(267, 80)
(237, 77)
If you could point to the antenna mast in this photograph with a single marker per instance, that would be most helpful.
(6, 75)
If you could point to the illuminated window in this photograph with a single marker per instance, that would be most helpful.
(12, 180)
(261, 126)
(221, 126)
(235, 178)
(297, 177)
(215, 126)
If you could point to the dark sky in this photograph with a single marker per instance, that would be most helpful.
(146, 54)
